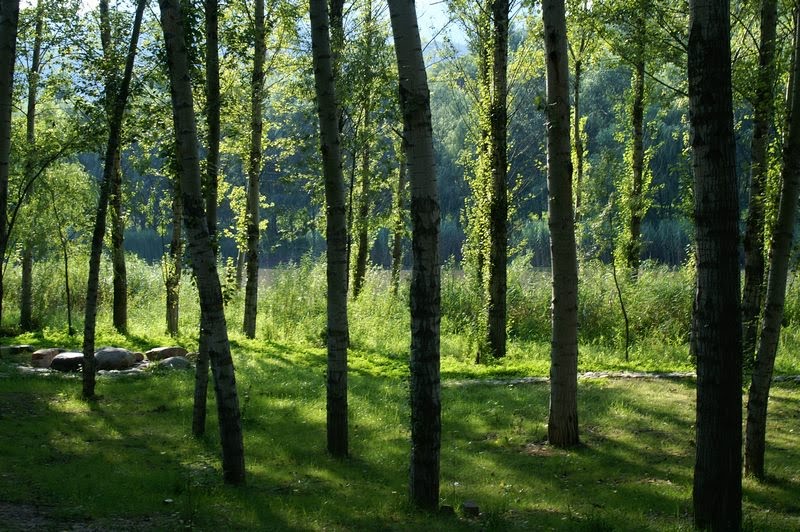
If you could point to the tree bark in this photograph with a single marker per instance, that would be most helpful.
(633, 255)
(174, 262)
(780, 253)
(120, 281)
(114, 135)
(426, 422)
(498, 206)
(253, 174)
(26, 296)
(763, 113)
(9, 17)
(716, 324)
(362, 221)
(398, 225)
(211, 185)
(200, 250)
(562, 428)
(336, 230)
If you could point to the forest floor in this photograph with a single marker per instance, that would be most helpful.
(128, 461)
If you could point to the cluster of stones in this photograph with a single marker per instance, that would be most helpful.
(112, 360)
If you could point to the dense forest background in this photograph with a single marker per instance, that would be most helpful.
(69, 138)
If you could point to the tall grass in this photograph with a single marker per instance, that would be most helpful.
(292, 310)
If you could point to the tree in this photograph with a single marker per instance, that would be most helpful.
(120, 281)
(173, 262)
(562, 427)
(763, 112)
(254, 171)
(200, 248)
(780, 253)
(426, 406)
(9, 16)
(716, 322)
(336, 230)
(114, 136)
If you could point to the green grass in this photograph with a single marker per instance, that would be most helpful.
(123, 456)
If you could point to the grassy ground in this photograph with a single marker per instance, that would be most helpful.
(129, 459)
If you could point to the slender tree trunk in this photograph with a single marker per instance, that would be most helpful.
(26, 297)
(577, 136)
(716, 324)
(426, 406)
(120, 306)
(9, 16)
(362, 221)
(211, 185)
(399, 225)
(253, 174)
(65, 254)
(114, 134)
(763, 113)
(336, 230)
(200, 250)
(633, 255)
(174, 266)
(780, 252)
(498, 207)
(562, 428)
(120, 312)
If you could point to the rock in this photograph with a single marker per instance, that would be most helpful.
(114, 358)
(139, 356)
(41, 358)
(8, 350)
(470, 509)
(69, 361)
(175, 363)
(133, 372)
(162, 353)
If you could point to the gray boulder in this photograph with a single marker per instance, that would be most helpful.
(163, 353)
(114, 358)
(175, 363)
(41, 358)
(69, 361)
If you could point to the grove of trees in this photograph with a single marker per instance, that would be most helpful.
(232, 137)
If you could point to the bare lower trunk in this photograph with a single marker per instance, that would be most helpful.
(764, 106)
(780, 252)
(399, 225)
(562, 427)
(362, 223)
(336, 230)
(253, 174)
(426, 406)
(716, 323)
(498, 206)
(120, 313)
(200, 249)
(174, 264)
(9, 16)
(115, 132)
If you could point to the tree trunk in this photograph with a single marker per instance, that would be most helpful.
(253, 174)
(120, 312)
(716, 324)
(9, 17)
(780, 253)
(26, 297)
(562, 428)
(64, 241)
(336, 230)
(212, 165)
(426, 421)
(362, 222)
(174, 262)
(202, 254)
(398, 225)
(633, 255)
(577, 137)
(114, 134)
(763, 112)
(498, 207)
